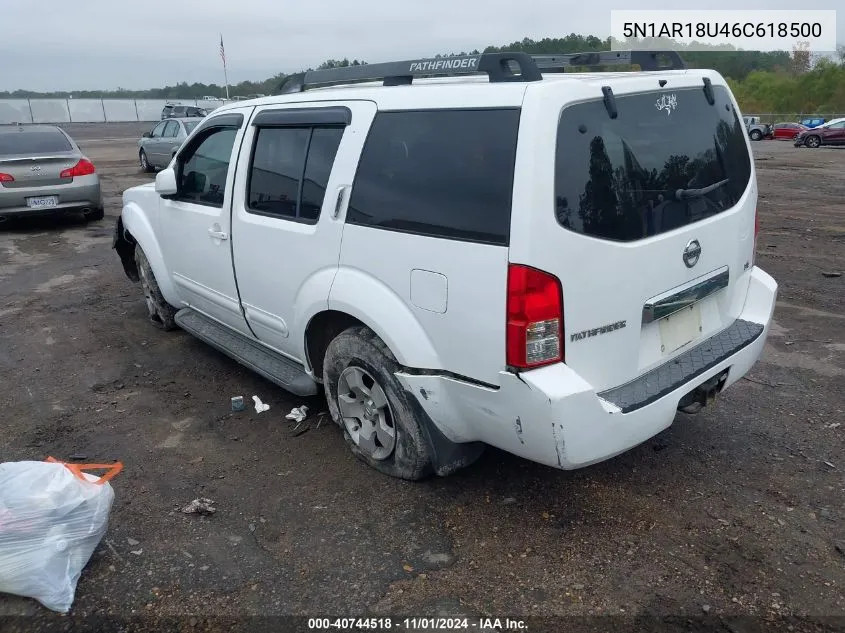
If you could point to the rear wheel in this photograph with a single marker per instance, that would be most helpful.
(372, 407)
(161, 314)
(812, 141)
(145, 163)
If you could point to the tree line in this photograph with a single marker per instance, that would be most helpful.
(780, 81)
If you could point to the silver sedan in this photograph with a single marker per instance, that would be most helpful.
(157, 147)
(43, 172)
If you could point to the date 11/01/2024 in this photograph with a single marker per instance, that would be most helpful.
(722, 29)
(411, 624)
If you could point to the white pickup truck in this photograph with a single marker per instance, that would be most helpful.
(553, 264)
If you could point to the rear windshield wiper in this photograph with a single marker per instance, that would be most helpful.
(687, 194)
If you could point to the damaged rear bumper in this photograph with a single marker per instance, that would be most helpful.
(554, 417)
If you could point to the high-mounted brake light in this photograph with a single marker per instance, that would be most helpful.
(534, 318)
(6, 177)
(83, 168)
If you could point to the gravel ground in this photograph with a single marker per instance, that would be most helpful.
(737, 511)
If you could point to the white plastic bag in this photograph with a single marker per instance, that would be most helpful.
(52, 517)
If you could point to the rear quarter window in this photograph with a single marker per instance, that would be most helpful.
(34, 142)
(618, 179)
(439, 173)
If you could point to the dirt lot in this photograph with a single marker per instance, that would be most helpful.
(736, 511)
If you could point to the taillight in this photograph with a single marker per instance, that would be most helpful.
(83, 168)
(534, 318)
(6, 177)
(756, 233)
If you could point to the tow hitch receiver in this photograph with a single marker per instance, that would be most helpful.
(703, 395)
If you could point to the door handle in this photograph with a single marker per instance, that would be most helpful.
(218, 235)
(339, 204)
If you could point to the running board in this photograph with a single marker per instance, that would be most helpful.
(286, 373)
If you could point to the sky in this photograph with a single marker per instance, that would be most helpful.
(110, 44)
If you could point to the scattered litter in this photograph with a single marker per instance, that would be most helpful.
(260, 407)
(238, 403)
(831, 274)
(53, 516)
(835, 425)
(200, 506)
(831, 465)
(298, 414)
(132, 542)
(137, 552)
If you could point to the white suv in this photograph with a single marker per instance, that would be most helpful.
(548, 263)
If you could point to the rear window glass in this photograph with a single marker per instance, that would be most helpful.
(667, 160)
(440, 173)
(40, 142)
(190, 125)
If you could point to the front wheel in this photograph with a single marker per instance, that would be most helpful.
(812, 141)
(371, 406)
(145, 163)
(756, 135)
(161, 314)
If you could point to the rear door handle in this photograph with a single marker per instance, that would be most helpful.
(218, 235)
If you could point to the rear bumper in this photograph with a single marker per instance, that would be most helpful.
(554, 417)
(83, 193)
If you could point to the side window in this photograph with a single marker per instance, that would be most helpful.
(202, 170)
(290, 171)
(171, 129)
(440, 173)
(158, 129)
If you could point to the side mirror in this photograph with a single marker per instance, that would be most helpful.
(166, 182)
(147, 135)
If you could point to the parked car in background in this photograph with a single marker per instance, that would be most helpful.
(757, 131)
(813, 121)
(831, 133)
(43, 172)
(787, 130)
(157, 147)
(173, 111)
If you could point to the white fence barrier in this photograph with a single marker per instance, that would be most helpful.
(91, 110)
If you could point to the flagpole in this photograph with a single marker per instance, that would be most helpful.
(225, 72)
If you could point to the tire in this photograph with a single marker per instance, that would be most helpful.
(160, 313)
(812, 141)
(359, 352)
(756, 135)
(145, 164)
(95, 215)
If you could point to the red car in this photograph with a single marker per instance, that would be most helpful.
(788, 131)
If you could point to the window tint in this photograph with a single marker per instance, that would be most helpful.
(171, 129)
(203, 170)
(33, 142)
(618, 178)
(282, 156)
(441, 173)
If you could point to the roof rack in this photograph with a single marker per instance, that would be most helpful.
(499, 67)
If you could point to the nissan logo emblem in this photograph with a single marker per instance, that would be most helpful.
(692, 251)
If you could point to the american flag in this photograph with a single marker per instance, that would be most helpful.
(222, 50)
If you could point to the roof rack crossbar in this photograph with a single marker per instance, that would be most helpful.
(499, 67)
